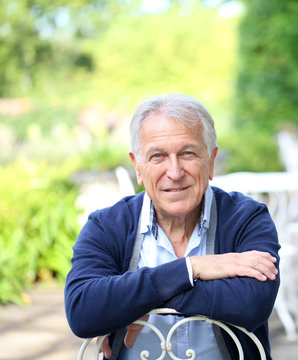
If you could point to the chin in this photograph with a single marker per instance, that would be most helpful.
(178, 211)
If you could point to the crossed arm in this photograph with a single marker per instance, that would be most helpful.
(240, 277)
(254, 264)
(251, 264)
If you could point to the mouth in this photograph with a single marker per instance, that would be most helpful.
(176, 189)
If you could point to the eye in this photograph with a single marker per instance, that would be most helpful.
(188, 153)
(156, 157)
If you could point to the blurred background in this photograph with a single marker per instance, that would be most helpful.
(71, 75)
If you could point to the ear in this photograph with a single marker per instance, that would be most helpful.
(136, 166)
(211, 162)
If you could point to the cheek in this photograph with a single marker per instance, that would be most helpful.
(154, 178)
(202, 175)
(199, 170)
(145, 175)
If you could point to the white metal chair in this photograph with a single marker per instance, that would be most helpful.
(165, 343)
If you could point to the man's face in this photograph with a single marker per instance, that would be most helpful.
(173, 165)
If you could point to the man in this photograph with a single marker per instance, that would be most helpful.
(202, 250)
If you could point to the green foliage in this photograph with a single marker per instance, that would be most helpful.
(69, 55)
(169, 52)
(267, 84)
(105, 157)
(113, 51)
(37, 38)
(38, 225)
(41, 121)
(254, 150)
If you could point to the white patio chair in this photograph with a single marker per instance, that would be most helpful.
(165, 344)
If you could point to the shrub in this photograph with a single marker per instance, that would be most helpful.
(267, 80)
(252, 150)
(38, 225)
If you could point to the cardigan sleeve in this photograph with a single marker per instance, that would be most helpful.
(242, 301)
(100, 296)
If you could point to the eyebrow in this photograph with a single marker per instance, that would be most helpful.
(154, 149)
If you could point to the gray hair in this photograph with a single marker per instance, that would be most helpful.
(183, 108)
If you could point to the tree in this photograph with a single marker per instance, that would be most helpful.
(37, 36)
(267, 82)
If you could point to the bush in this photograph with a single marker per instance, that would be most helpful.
(252, 150)
(267, 81)
(40, 121)
(38, 225)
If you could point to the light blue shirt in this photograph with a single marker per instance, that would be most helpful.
(156, 250)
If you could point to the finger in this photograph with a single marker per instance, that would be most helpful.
(131, 335)
(253, 273)
(256, 259)
(268, 264)
(266, 268)
(105, 348)
(257, 271)
(107, 352)
(133, 331)
(264, 263)
(264, 255)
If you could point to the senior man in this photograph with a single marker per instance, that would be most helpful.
(196, 248)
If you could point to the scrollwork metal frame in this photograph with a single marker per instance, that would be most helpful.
(166, 345)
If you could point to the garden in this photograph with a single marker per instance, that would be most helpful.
(71, 74)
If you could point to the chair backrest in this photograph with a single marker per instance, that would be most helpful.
(165, 343)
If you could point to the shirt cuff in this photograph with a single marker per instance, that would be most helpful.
(190, 271)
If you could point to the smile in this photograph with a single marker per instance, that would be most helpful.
(176, 190)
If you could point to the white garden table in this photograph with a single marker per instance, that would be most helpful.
(279, 190)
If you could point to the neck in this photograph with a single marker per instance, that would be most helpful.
(179, 229)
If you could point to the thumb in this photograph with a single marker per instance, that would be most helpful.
(133, 331)
(131, 335)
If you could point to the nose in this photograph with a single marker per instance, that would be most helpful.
(175, 170)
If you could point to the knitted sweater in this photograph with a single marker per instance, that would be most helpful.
(101, 295)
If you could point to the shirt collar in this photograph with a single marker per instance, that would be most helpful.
(148, 215)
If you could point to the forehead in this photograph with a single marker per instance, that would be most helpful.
(158, 128)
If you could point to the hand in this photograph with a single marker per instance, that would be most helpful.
(133, 331)
(105, 347)
(254, 264)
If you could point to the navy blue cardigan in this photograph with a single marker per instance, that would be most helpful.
(101, 295)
